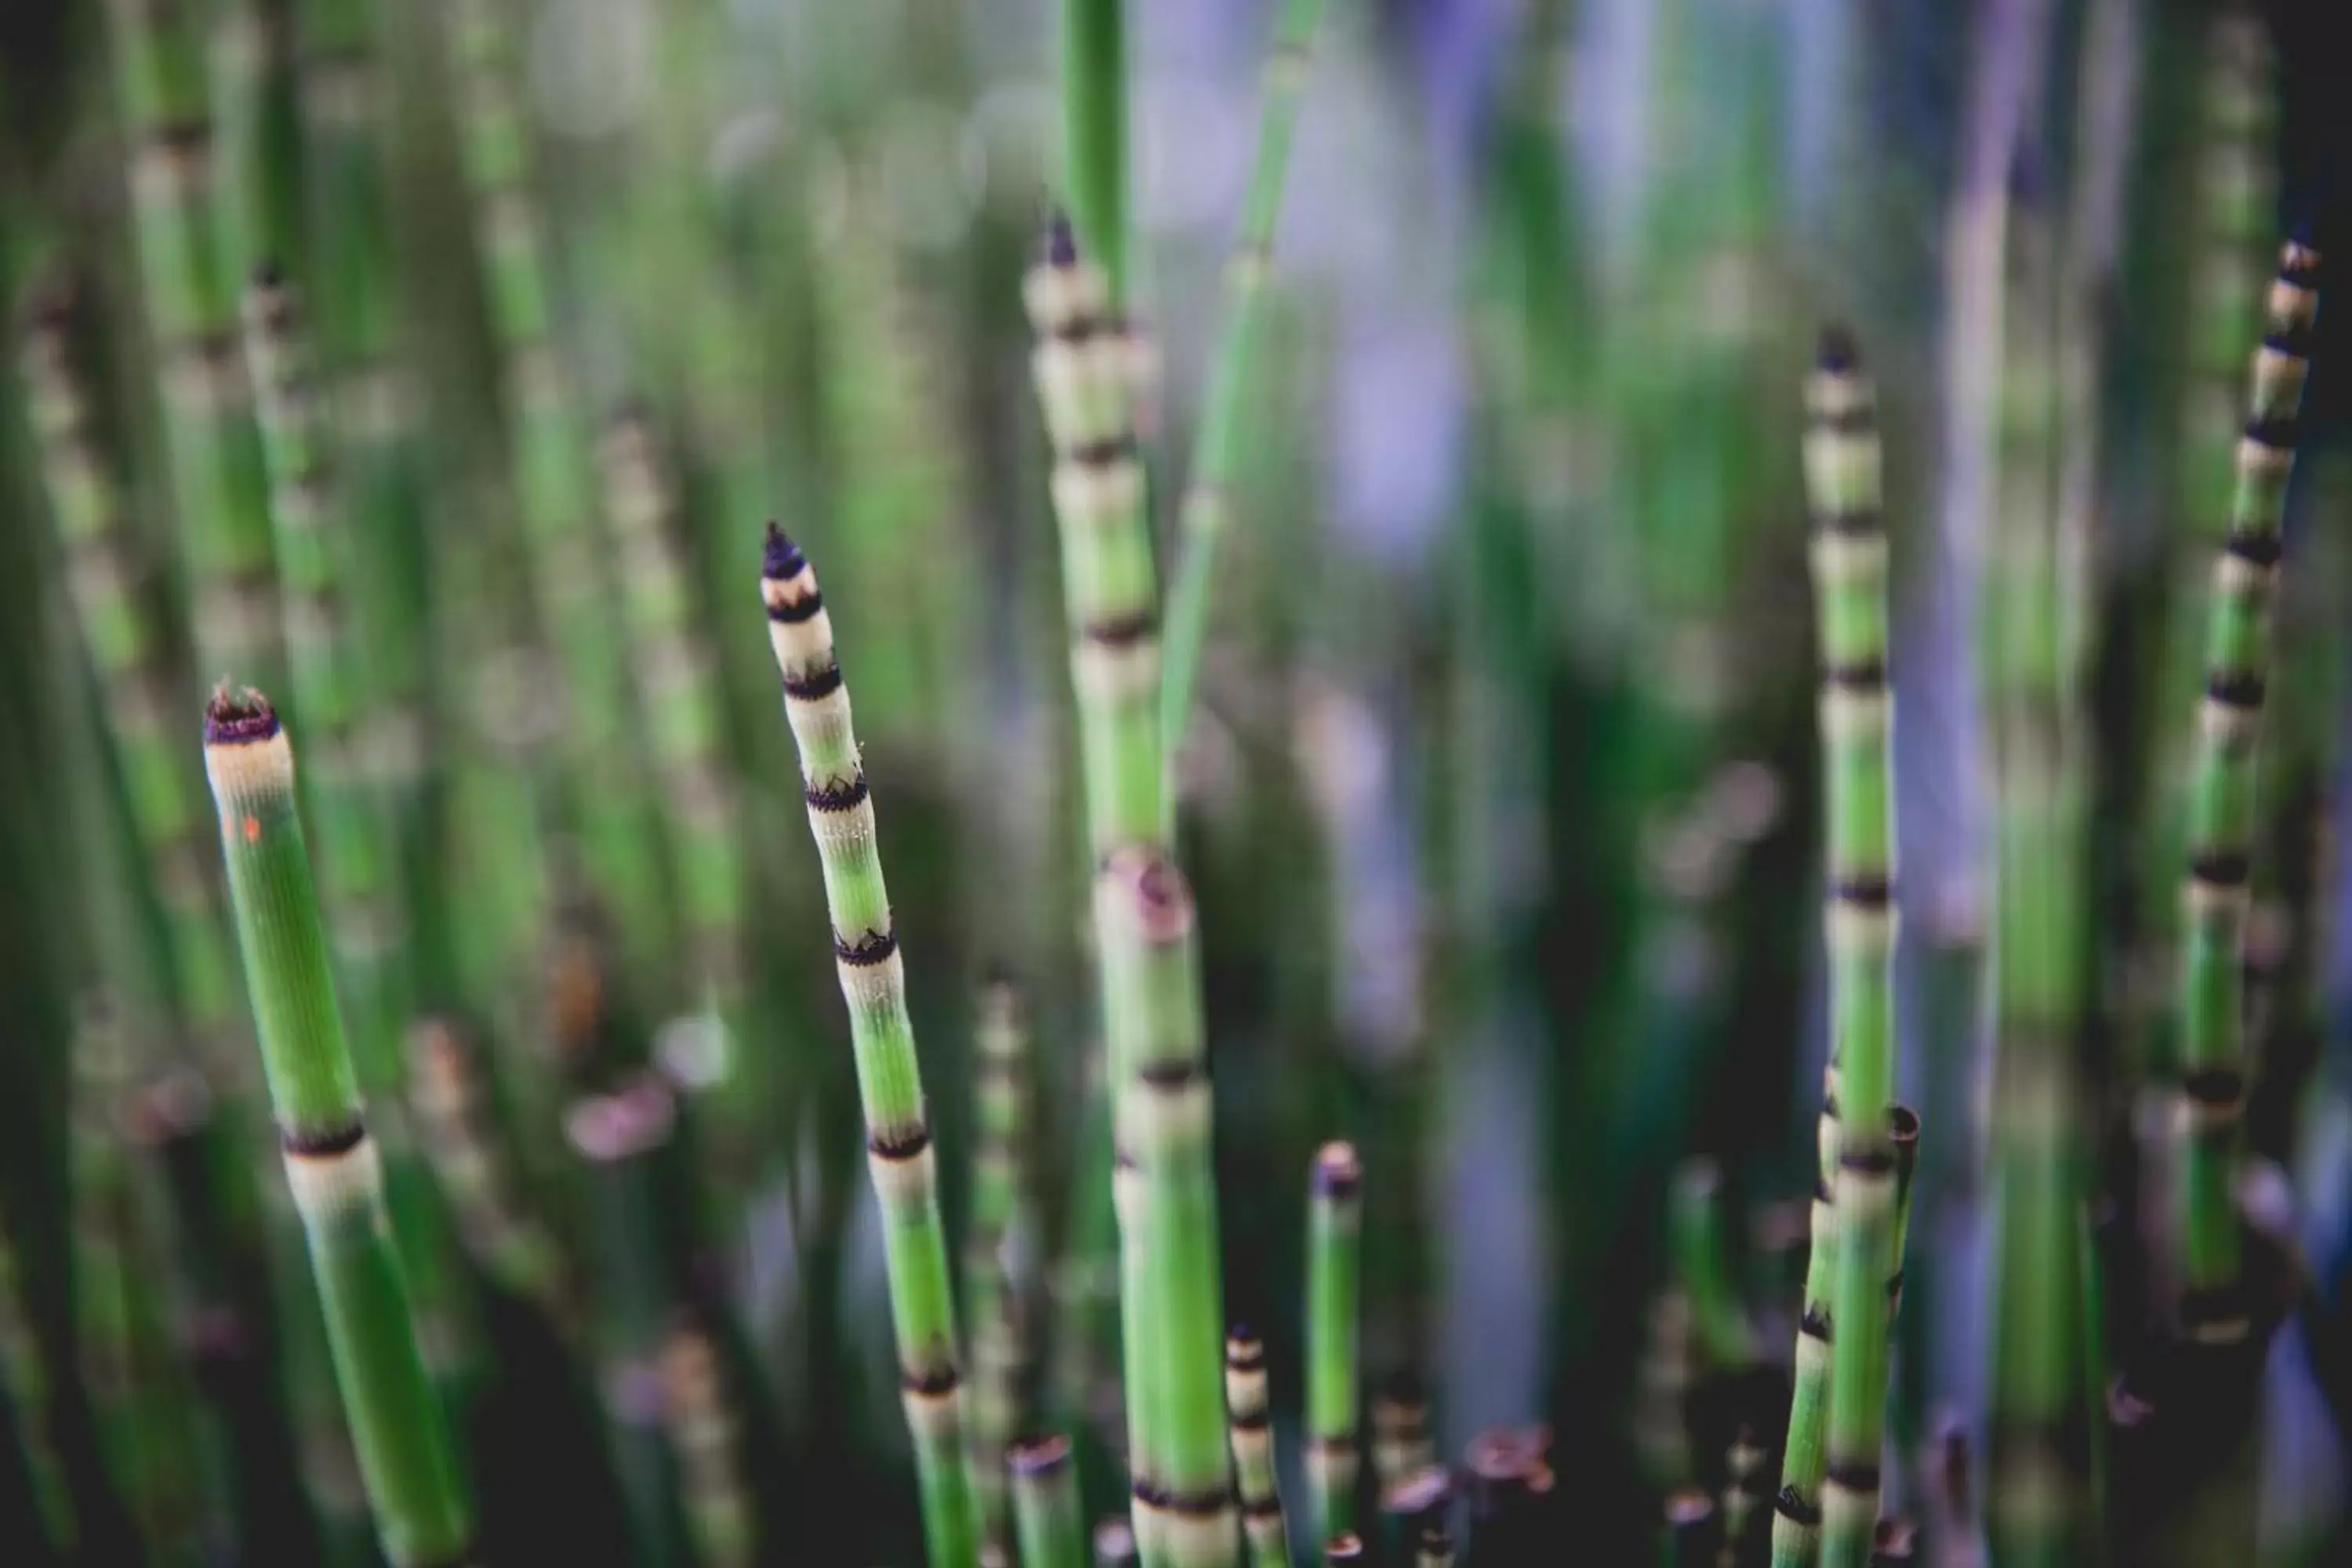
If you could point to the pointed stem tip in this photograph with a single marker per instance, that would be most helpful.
(783, 560)
(1060, 244)
(1839, 352)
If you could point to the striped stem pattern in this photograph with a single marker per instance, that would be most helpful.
(108, 583)
(1335, 1267)
(2221, 808)
(217, 487)
(1253, 1438)
(331, 1167)
(1841, 464)
(890, 1078)
(992, 1305)
(1401, 1449)
(1045, 1504)
(1150, 971)
(1216, 446)
(708, 1436)
(506, 1237)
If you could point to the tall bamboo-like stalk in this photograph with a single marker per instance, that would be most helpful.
(1216, 447)
(1093, 133)
(2221, 822)
(1335, 1262)
(217, 488)
(992, 1305)
(1046, 1505)
(1253, 1439)
(1842, 462)
(1401, 1449)
(548, 449)
(507, 1236)
(356, 854)
(709, 1439)
(334, 1169)
(2034, 641)
(1152, 987)
(890, 1078)
(1084, 388)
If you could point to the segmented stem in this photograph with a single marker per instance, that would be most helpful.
(1045, 1504)
(331, 1166)
(217, 488)
(505, 1235)
(2221, 808)
(1253, 1440)
(1164, 1118)
(1841, 464)
(1216, 446)
(992, 1305)
(1335, 1265)
(705, 1431)
(889, 1079)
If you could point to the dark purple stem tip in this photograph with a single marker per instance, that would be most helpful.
(238, 718)
(783, 561)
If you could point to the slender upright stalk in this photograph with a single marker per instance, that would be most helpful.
(333, 1169)
(2221, 823)
(890, 1078)
(1094, 131)
(1797, 1507)
(1045, 1504)
(1152, 987)
(1841, 463)
(1216, 446)
(1697, 1226)
(1252, 1438)
(999, 1351)
(1335, 1262)
(1401, 1447)
(708, 1435)
(507, 1236)
(1108, 585)
(217, 487)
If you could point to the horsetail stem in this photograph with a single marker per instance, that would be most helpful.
(1697, 1224)
(1903, 1135)
(2221, 822)
(889, 1079)
(709, 1439)
(1842, 470)
(1253, 1440)
(1114, 1544)
(1045, 1504)
(1797, 1507)
(506, 1236)
(1335, 1263)
(106, 577)
(331, 1167)
(1743, 1499)
(1401, 1446)
(1345, 1547)
(1107, 574)
(1094, 131)
(1144, 913)
(678, 695)
(217, 488)
(1216, 447)
(999, 1189)
(1413, 1506)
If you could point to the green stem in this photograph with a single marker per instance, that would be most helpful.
(1208, 486)
(1842, 462)
(1046, 1505)
(1094, 131)
(999, 1355)
(1253, 1442)
(889, 1076)
(2221, 810)
(1335, 1262)
(217, 489)
(331, 1167)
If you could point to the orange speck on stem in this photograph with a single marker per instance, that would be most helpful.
(253, 830)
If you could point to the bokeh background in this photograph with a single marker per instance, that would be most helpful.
(1501, 801)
